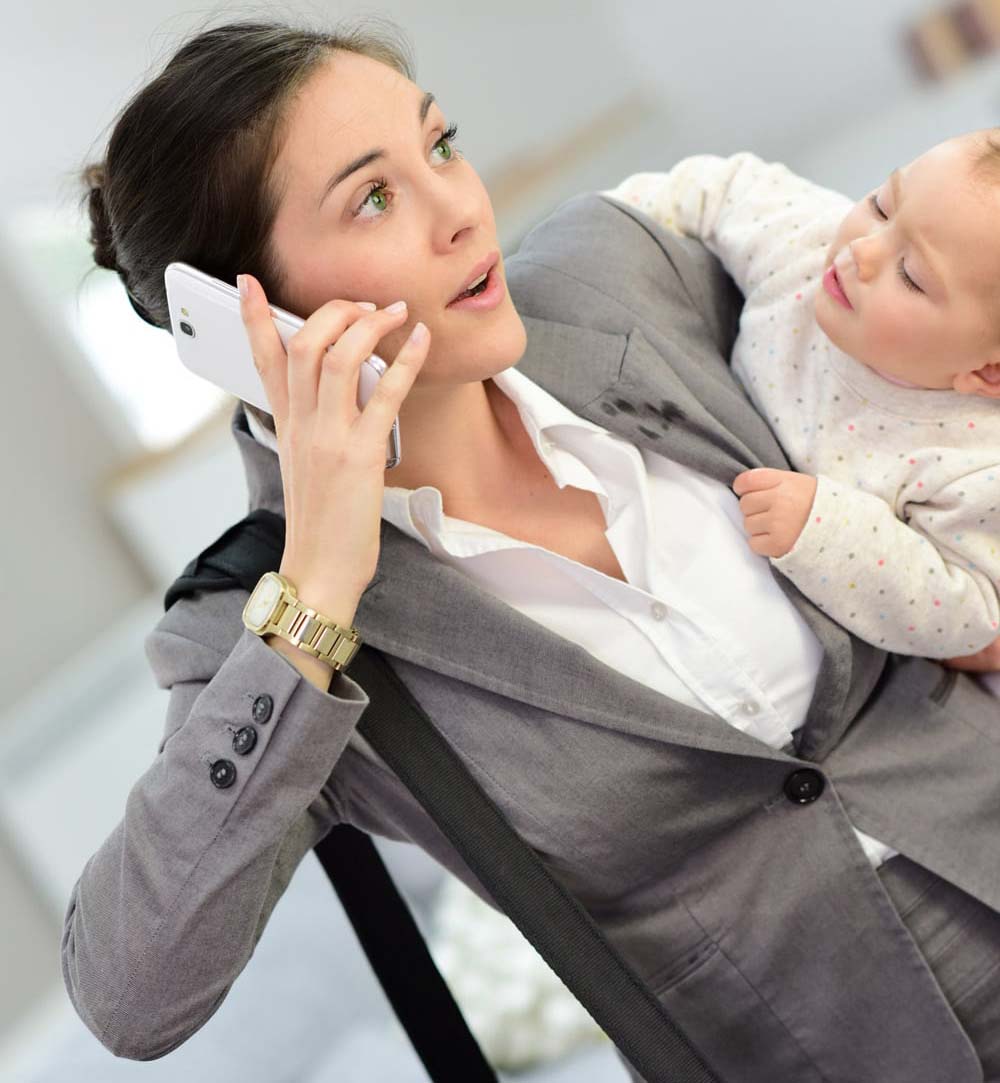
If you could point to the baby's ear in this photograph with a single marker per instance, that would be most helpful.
(983, 381)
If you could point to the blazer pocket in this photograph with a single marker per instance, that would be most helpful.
(940, 693)
(678, 969)
(966, 700)
(728, 1022)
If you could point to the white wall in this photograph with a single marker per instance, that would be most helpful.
(728, 74)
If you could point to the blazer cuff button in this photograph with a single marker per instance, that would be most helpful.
(223, 774)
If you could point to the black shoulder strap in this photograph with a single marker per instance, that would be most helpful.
(550, 918)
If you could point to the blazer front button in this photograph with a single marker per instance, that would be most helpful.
(804, 786)
(223, 773)
(244, 740)
(262, 707)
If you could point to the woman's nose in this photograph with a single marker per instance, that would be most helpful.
(459, 208)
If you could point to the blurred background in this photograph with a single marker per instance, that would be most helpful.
(120, 464)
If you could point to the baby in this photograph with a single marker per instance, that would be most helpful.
(870, 342)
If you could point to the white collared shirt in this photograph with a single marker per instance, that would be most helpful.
(701, 618)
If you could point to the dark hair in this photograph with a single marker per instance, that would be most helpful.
(186, 174)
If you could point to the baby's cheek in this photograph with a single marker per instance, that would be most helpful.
(895, 339)
(830, 329)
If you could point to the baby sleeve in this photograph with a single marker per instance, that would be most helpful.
(746, 211)
(925, 586)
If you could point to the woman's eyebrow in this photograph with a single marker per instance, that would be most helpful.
(897, 190)
(372, 155)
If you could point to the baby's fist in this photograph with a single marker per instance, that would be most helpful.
(775, 506)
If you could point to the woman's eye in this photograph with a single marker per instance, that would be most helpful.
(376, 186)
(380, 185)
(873, 200)
(449, 136)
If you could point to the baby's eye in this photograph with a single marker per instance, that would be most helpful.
(907, 281)
(900, 269)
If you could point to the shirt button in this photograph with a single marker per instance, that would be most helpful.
(262, 707)
(547, 445)
(244, 740)
(659, 610)
(749, 707)
(223, 773)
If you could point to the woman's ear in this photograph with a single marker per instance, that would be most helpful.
(984, 381)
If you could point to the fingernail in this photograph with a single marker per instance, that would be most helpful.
(241, 281)
(397, 306)
(418, 334)
(370, 305)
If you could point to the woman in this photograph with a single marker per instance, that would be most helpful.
(651, 717)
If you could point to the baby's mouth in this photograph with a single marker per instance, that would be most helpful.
(840, 285)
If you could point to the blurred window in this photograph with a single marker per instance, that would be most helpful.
(135, 363)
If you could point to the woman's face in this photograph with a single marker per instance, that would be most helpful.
(416, 238)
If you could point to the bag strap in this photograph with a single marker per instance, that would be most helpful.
(548, 916)
(398, 954)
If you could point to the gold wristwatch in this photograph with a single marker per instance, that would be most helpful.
(273, 608)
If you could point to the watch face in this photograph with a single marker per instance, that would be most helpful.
(260, 605)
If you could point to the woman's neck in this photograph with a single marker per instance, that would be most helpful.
(468, 441)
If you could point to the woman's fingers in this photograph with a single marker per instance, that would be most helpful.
(337, 394)
(266, 346)
(290, 382)
(312, 384)
(394, 385)
(323, 349)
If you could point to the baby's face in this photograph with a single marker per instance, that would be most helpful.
(919, 261)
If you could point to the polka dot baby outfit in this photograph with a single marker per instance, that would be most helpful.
(902, 542)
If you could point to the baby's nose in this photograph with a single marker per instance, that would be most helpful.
(863, 256)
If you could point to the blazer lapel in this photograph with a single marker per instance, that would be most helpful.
(684, 403)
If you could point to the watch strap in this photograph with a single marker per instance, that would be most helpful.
(314, 633)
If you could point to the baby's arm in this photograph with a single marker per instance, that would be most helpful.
(926, 587)
(756, 216)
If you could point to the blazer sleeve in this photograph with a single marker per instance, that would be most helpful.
(167, 912)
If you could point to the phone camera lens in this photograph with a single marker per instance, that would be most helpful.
(187, 328)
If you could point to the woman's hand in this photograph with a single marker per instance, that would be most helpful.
(985, 661)
(775, 506)
(332, 454)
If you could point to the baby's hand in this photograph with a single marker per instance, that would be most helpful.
(775, 506)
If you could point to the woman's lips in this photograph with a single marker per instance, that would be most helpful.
(831, 283)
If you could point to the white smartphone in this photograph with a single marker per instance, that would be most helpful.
(212, 342)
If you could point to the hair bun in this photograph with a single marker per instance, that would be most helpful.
(101, 238)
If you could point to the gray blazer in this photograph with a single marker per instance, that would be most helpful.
(757, 920)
